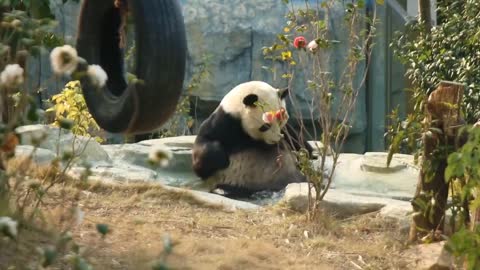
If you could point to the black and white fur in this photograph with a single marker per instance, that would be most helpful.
(240, 152)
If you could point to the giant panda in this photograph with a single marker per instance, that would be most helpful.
(241, 153)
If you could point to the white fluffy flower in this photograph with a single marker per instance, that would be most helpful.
(160, 155)
(64, 59)
(312, 46)
(97, 75)
(12, 75)
(8, 226)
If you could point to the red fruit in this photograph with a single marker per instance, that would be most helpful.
(299, 42)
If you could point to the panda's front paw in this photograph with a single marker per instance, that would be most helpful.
(209, 158)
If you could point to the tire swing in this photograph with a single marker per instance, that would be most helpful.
(159, 64)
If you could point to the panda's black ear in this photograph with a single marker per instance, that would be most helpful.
(283, 93)
(250, 100)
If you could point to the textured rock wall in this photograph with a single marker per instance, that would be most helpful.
(232, 33)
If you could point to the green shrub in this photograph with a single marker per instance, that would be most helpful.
(450, 52)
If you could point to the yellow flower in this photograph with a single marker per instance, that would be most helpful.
(286, 55)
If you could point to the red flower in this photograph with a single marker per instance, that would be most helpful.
(268, 117)
(280, 114)
(299, 42)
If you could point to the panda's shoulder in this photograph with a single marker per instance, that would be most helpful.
(218, 120)
(223, 126)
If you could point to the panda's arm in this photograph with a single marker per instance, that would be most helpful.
(209, 153)
(208, 158)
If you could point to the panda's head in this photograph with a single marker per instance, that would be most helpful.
(249, 101)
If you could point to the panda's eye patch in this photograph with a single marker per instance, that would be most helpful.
(265, 127)
(250, 100)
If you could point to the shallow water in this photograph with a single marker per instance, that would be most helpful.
(189, 180)
(266, 197)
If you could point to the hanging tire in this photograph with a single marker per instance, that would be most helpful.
(160, 44)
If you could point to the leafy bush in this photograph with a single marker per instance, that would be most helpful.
(466, 243)
(70, 104)
(450, 52)
(463, 170)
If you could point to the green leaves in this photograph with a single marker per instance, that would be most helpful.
(167, 244)
(102, 229)
(465, 243)
(39, 9)
(463, 165)
(66, 123)
(79, 263)
(361, 4)
(448, 53)
(36, 8)
(455, 166)
(49, 256)
(161, 264)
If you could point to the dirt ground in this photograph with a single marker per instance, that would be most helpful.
(205, 237)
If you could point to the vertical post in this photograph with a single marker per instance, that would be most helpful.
(378, 76)
(442, 121)
(424, 8)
